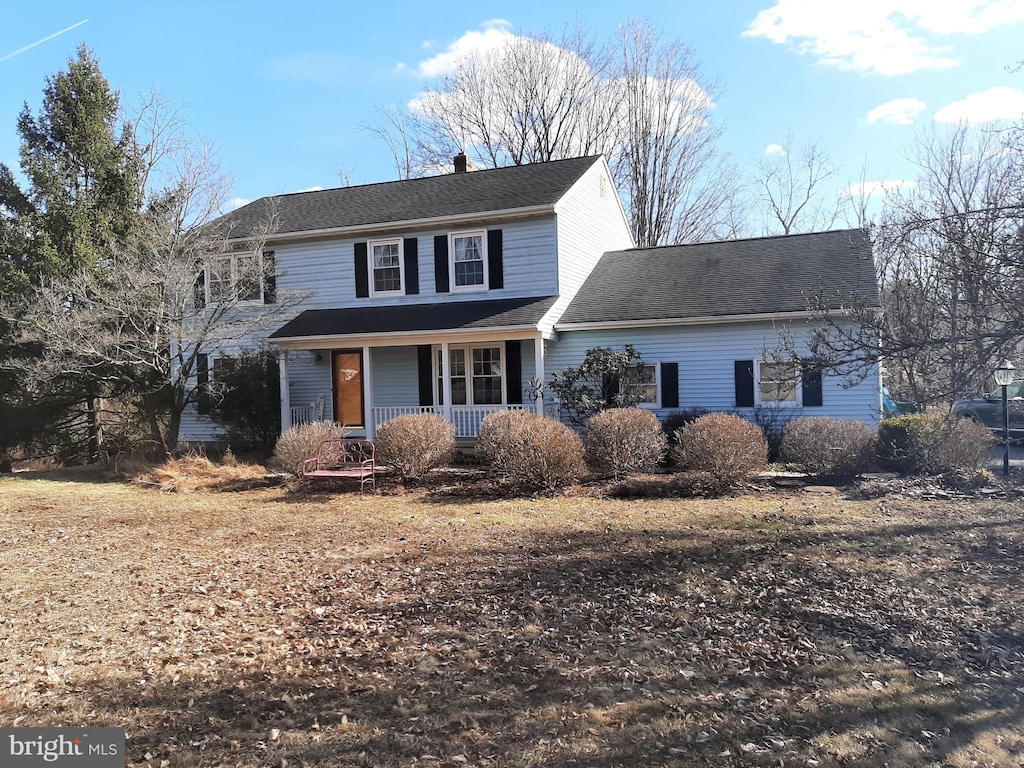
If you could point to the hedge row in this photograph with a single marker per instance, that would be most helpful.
(529, 452)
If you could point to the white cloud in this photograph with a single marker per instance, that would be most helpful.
(1002, 103)
(494, 34)
(874, 188)
(888, 37)
(238, 202)
(775, 149)
(308, 189)
(898, 111)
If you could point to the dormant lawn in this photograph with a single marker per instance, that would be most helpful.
(272, 628)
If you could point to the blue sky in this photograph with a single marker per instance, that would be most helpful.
(280, 89)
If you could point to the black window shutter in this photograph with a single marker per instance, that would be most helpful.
(200, 289)
(362, 272)
(670, 385)
(441, 264)
(514, 370)
(812, 387)
(202, 383)
(744, 383)
(410, 250)
(495, 263)
(425, 364)
(269, 278)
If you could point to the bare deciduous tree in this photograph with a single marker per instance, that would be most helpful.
(790, 189)
(638, 101)
(949, 257)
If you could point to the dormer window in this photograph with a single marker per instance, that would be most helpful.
(387, 266)
(468, 253)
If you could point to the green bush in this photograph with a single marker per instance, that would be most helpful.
(932, 443)
(530, 452)
(623, 440)
(415, 444)
(726, 447)
(301, 443)
(833, 448)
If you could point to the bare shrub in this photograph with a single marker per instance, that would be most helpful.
(530, 452)
(932, 443)
(725, 446)
(624, 440)
(415, 444)
(676, 419)
(834, 448)
(772, 419)
(301, 443)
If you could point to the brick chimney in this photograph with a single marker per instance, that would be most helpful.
(461, 163)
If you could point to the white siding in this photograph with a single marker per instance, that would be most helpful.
(323, 273)
(706, 356)
(590, 222)
(395, 376)
(309, 379)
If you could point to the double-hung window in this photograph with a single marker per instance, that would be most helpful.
(386, 258)
(234, 277)
(468, 255)
(476, 375)
(641, 384)
(778, 383)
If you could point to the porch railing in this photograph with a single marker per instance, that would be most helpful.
(466, 418)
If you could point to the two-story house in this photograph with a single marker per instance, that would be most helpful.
(452, 294)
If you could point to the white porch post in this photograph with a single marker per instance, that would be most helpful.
(371, 428)
(286, 400)
(446, 381)
(538, 364)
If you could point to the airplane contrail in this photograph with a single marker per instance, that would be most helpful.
(40, 42)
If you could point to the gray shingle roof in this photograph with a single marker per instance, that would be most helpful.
(520, 186)
(487, 314)
(738, 277)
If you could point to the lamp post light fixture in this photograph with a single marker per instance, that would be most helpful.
(1004, 377)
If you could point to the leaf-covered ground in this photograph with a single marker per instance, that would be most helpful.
(266, 627)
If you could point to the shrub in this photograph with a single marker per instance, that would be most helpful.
(725, 446)
(827, 447)
(676, 419)
(529, 451)
(624, 440)
(301, 443)
(772, 420)
(415, 444)
(932, 442)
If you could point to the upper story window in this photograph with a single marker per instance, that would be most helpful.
(387, 267)
(777, 383)
(468, 255)
(235, 277)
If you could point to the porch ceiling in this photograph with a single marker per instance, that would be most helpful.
(492, 315)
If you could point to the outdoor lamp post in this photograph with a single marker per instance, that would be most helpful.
(1004, 377)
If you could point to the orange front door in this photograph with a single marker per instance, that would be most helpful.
(348, 387)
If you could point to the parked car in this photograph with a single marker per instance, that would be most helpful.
(988, 410)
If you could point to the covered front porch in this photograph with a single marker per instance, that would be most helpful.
(362, 380)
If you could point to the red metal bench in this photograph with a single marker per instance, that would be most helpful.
(343, 460)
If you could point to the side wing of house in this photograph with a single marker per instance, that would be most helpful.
(724, 326)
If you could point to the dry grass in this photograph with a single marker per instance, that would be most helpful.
(193, 472)
(264, 627)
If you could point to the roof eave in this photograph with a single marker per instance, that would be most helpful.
(704, 320)
(458, 220)
(400, 338)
